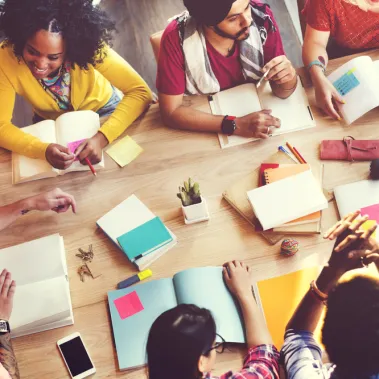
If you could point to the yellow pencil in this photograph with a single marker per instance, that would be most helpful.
(293, 151)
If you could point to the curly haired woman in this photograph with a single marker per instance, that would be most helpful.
(346, 27)
(56, 55)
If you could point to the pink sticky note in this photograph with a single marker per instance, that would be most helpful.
(72, 146)
(128, 305)
(372, 211)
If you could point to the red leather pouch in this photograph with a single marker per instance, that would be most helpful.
(349, 149)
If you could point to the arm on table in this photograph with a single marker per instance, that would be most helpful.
(175, 115)
(314, 48)
(137, 94)
(55, 200)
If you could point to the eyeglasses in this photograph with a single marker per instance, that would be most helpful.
(218, 346)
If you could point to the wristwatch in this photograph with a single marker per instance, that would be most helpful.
(228, 125)
(4, 327)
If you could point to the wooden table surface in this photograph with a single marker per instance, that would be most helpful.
(169, 157)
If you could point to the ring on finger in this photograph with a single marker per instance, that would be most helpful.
(363, 262)
(268, 130)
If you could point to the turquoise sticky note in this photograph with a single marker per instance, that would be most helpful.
(346, 83)
(144, 239)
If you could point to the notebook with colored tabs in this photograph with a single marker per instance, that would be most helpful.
(287, 199)
(144, 239)
(273, 175)
(126, 216)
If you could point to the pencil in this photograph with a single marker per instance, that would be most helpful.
(90, 166)
(294, 152)
(283, 150)
(262, 78)
(304, 161)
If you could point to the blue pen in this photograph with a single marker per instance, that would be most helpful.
(283, 150)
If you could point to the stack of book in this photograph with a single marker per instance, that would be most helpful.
(137, 232)
(275, 168)
(291, 196)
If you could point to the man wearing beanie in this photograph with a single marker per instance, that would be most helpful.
(215, 45)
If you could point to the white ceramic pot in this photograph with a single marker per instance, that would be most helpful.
(196, 212)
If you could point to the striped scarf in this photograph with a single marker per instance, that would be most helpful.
(200, 78)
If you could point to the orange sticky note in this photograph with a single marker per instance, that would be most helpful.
(128, 305)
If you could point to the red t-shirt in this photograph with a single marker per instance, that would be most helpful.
(349, 25)
(171, 78)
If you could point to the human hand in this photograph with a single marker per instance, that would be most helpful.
(59, 156)
(280, 70)
(237, 276)
(354, 246)
(257, 125)
(55, 200)
(7, 290)
(327, 97)
(92, 149)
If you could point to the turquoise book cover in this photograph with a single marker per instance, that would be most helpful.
(144, 239)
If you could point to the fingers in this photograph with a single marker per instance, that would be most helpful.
(358, 223)
(349, 240)
(12, 289)
(225, 272)
(266, 111)
(80, 148)
(63, 202)
(341, 226)
(6, 284)
(330, 109)
(336, 97)
(274, 62)
(369, 232)
(89, 153)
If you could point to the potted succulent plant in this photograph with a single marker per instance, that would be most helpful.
(194, 206)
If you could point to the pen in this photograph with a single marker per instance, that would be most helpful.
(294, 152)
(90, 166)
(283, 150)
(262, 78)
(304, 161)
(135, 279)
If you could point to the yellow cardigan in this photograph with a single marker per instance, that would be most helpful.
(90, 90)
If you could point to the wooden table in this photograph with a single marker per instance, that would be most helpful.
(169, 157)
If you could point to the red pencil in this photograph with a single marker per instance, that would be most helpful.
(304, 161)
(90, 166)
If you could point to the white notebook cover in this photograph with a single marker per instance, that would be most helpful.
(279, 202)
(353, 196)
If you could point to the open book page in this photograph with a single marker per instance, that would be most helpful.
(237, 101)
(205, 288)
(29, 168)
(357, 81)
(40, 303)
(130, 333)
(75, 126)
(44, 255)
(294, 111)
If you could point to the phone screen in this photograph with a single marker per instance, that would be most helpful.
(76, 356)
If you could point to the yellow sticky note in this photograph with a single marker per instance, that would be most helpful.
(124, 151)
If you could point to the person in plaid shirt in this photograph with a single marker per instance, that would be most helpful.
(182, 341)
(336, 28)
(351, 326)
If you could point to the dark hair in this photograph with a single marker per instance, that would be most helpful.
(351, 327)
(85, 28)
(177, 340)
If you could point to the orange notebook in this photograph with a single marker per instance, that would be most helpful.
(272, 175)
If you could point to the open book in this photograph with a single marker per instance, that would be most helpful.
(203, 286)
(293, 112)
(357, 82)
(68, 128)
(42, 300)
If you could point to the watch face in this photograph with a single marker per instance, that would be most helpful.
(3, 326)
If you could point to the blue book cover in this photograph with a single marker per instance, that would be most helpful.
(144, 239)
(134, 309)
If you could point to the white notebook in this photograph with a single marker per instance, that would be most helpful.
(294, 112)
(358, 83)
(353, 196)
(126, 216)
(42, 300)
(287, 199)
(70, 127)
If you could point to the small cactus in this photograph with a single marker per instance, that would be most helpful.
(189, 194)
